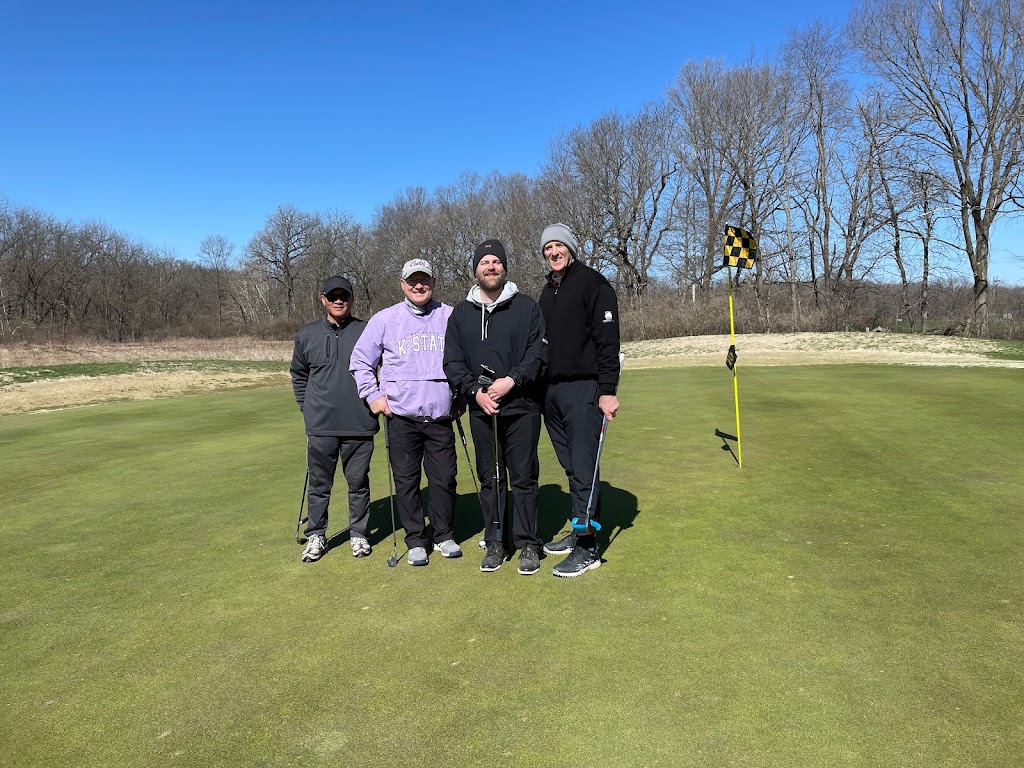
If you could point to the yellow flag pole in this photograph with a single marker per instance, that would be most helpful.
(735, 383)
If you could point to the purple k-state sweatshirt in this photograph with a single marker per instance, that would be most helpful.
(410, 351)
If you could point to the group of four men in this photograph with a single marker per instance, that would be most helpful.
(419, 363)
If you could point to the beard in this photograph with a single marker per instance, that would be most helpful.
(492, 282)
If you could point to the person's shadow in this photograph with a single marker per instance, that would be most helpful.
(469, 523)
(618, 511)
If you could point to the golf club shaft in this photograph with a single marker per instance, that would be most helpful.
(302, 503)
(465, 447)
(593, 480)
(391, 497)
(498, 516)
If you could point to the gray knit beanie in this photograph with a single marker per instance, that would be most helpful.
(562, 234)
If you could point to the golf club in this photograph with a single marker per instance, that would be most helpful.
(299, 538)
(584, 524)
(393, 560)
(472, 472)
(487, 378)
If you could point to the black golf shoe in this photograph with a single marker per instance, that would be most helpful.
(494, 558)
(579, 562)
(529, 560)
(563, 546)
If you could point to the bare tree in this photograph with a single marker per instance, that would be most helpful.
(215, 253)
(957, 66)
(280, 251)
(815, 56)
(622, 173)
(698, 99)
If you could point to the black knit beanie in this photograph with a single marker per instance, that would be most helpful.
(489, 248)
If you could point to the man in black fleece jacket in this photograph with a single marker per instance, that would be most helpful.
(581, 315)
(337, 420)
(499, 327)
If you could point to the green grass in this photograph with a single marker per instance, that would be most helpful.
(851, 597)
(1008, 350)
(24, 375)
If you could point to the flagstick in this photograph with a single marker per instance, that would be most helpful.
(735, 384)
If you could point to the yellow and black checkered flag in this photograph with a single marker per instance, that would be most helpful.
(740, 248)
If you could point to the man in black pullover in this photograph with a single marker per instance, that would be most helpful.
(503, 329)
(337, 420)
(581, 316)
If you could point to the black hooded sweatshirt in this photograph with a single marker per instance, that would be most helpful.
(507, 336)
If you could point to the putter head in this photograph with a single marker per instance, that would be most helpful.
(300, 539)
(392, 561)
(581, 524)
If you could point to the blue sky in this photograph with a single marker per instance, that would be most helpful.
(173, 121)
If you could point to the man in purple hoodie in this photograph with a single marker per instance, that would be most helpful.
(406, 341)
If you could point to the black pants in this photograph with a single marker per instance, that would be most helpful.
(518, 437)
(429, 444)
(573, 419)
(322, 452)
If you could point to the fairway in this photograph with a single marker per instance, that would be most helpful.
(851, 597)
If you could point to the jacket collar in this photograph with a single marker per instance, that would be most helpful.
(568, 271)
(331, 326)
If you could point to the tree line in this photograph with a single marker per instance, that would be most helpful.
(873, 162)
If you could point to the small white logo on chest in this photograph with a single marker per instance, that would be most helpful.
(608, 317)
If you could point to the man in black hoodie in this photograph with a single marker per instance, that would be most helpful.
(581, 315)
(337, 420)
(503, 329)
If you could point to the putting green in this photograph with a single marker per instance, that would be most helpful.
(851, 597)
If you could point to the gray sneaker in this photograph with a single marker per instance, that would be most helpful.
(448, 548)
(360, 547)
(316, 547)
(418, 556)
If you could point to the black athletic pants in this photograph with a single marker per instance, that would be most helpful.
(518, 437)
(430, 444)
(573, 419)
(322, 452)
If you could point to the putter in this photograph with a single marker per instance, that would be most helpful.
(485, 380)
(393, 560)
(472, 472)
(584, 524)
(299, 538)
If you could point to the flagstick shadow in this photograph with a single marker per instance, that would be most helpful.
(725, 444)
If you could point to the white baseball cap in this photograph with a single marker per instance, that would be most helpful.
(417, 265)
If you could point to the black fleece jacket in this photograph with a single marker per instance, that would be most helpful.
(324, 388)
(581, 314)
(514, 347)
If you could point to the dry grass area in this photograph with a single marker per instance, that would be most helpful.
(753, 349)
(55, 394)
(242, 348)
(816, 349)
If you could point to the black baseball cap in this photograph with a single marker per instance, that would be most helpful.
(337, 283)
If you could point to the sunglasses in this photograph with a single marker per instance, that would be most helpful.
(336, 296)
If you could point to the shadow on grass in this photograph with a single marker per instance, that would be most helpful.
(618, 511)
(726, 437)
(468, 521)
